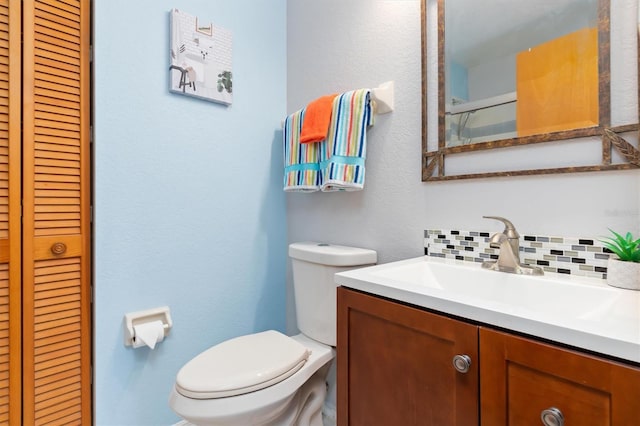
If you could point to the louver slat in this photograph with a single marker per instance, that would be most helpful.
(56, 339)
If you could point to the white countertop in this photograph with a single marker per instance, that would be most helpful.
(577, 311)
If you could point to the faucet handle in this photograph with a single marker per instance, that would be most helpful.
(509, 229)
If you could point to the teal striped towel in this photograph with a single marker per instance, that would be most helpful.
(343, 160)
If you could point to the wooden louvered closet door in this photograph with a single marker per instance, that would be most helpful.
(10, 230)
(56, 299)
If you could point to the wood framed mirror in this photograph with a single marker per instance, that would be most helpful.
(528, 88)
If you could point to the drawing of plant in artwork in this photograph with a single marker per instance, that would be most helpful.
(225, 82)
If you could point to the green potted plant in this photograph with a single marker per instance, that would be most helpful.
(623, 269)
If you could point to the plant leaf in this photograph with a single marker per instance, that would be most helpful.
(625, 247)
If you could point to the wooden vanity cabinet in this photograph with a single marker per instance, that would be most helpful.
(521, 378)
(395, 365)
(394, 368)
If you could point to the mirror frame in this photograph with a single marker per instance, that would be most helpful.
(433, 162)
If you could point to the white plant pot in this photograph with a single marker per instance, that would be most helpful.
(623, 274)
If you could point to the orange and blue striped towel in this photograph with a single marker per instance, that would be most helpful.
(342, 164)
(301, 161)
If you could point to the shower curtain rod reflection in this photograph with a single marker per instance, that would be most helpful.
(481, 104)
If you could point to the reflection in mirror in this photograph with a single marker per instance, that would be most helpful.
(515, 68)
(601, 132)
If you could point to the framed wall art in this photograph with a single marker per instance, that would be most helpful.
(201, 58)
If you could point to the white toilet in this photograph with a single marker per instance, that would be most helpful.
(268, 378)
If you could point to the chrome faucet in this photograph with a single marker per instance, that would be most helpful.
(508, 242)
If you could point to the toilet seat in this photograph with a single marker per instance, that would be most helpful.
(241, 365)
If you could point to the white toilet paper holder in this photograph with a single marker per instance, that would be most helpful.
(140, 317)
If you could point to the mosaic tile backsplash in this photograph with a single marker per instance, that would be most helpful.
(563, 255)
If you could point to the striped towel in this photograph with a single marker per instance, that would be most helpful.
(342, 164)
(301, 161)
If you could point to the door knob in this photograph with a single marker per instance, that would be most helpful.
(552, 417)
(58, 248)
(462, 363)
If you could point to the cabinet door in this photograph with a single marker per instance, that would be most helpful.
(521, 378)
(395, 365)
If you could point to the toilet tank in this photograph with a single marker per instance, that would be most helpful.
(314, 265)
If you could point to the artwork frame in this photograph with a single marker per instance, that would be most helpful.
(200, 59)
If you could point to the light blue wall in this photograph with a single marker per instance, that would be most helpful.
(459, 81)
(189, 210)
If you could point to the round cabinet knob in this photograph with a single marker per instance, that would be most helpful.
(462, 363)
(58, 248)
(552, 417)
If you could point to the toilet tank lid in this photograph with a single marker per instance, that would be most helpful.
(332, 255)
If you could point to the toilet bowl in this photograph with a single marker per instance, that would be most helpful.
(268, 378)
(270, 405)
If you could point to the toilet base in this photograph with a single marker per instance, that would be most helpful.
(306, 407)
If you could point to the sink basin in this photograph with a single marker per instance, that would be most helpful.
(531, 293)
(577, 311)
